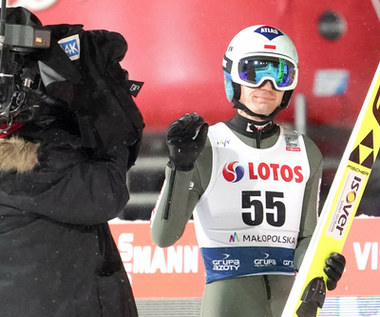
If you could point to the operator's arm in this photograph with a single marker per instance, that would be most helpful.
(186, 138)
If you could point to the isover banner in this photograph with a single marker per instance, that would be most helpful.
(178, 271)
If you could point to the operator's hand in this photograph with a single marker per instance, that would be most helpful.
(186, 138)
(334, 268)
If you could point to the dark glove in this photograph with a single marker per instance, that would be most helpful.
(186, 138)
(334, 268)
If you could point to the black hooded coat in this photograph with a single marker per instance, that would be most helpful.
(57, 255)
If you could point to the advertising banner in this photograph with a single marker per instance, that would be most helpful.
(155, 272)
(362, 255)
(177, 271)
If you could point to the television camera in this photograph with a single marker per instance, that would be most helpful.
(20, 84)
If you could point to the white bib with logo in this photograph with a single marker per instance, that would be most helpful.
(247, 221)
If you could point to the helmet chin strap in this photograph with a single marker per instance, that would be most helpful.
(265, 118)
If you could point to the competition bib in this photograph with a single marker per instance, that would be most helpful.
(247, 221)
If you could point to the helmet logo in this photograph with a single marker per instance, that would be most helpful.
(269, 32)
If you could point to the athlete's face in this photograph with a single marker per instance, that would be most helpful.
(262, 100)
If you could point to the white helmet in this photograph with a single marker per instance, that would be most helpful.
(257, 54)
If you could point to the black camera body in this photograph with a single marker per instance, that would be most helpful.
(26, 38)
(20, 83)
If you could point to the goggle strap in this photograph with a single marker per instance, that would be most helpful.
(227, 64)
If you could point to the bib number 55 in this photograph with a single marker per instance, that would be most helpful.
(274, 210)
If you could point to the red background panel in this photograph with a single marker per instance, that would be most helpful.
(176, 48)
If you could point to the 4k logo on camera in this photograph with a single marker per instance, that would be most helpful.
(71, 46)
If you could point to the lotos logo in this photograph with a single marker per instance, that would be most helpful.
(233, 172)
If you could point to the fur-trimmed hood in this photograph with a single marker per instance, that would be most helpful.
(18, 154)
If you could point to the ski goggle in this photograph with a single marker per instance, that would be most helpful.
(254, 70)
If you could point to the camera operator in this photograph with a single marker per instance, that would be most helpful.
(68, 139)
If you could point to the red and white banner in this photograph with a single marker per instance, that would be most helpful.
(178, 271)
(171, 272)
(363, 262)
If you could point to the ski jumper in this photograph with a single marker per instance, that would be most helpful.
(251, 293)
